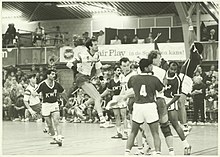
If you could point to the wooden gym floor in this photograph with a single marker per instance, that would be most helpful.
(27, 138)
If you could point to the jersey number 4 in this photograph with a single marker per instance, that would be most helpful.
(143, 90)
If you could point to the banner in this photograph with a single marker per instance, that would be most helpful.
(170, 51)
(9, 56)
(66, 54)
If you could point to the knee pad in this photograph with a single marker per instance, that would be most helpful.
(165, 128)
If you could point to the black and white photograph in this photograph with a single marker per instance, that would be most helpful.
(98, 77)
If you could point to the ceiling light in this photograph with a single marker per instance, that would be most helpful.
(67, 5)
(105, 15)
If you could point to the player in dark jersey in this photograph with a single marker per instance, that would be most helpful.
(119, 108)
(172, 93)
(144, 87)
(186, 74)
(49, 90)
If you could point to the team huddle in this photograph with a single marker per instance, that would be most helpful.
(151, 96)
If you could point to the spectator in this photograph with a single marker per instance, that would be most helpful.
(125, 40)
(212, 36)
(41, 70)
(212, 98)
(204, 33)
(59, 38)
(201, 73)
(20, 107)
(68, 109)
(101, 38)
(10, 34)
(117, 41)
(149, 39)
(135, 40)
(19, 74)
(198, 94)
(85, 37)
(7, 106)
(39, 33)
(211, 73)
(33, 69)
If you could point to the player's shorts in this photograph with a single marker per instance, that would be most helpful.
(120, 104)
(48, 108)
(187, 83)
(36, 108)
(81, 79)
(173, 106)
(145, 112)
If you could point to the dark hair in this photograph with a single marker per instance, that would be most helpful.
(144, 63)
(49, 71)
(173, 62)
(153, 54)
(89, 43)
(116, 67)
(31, 76)
(124, 59)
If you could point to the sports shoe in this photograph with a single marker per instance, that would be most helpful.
(171, 153)
(186, 130)
(118, 135)
(39, 120)
(139, 152)
(187, 150)
(56, 141)
(89, 121)
(124, 137)
(26, 119)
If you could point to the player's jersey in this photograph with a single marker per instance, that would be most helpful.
(124, 80)
(190, 64)
(145, 87)
(114, 86)
(159, 73)
(85, 66)
(32, 100)
(49, 94)
(172, 87)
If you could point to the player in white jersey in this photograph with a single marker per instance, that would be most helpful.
(172, 94)
(160, 73)
(88, 66)
(127, 72)
(50, 91)
(31, 101)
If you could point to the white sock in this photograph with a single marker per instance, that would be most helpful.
(185, 143)
(127, 151)
(59, 137)
(118, 129)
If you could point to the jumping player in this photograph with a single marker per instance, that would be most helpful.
(172, 94)
(50, 107)
(144, 87)
(88, 66)
(186, 75)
